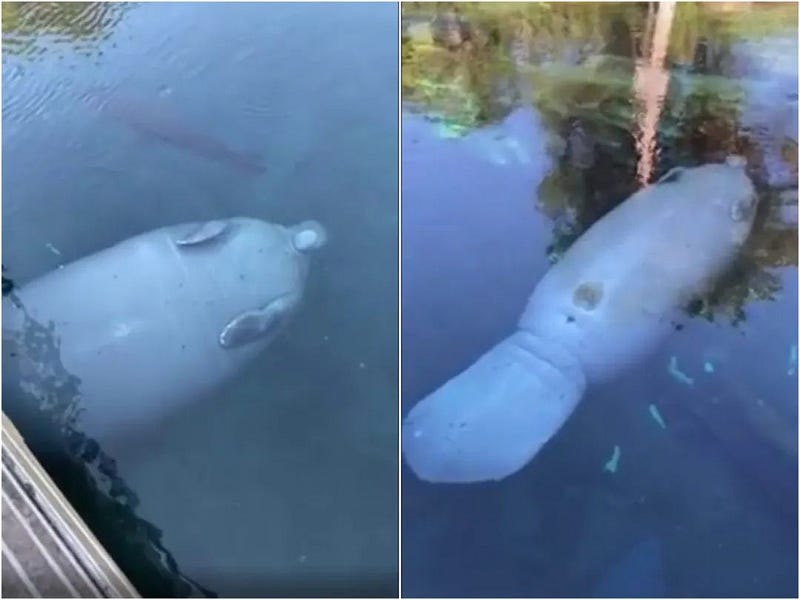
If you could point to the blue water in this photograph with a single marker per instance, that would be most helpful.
(638, 574)
(287, 479)
(714, 490)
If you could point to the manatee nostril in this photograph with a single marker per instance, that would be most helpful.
(308, 235)
(305, 239)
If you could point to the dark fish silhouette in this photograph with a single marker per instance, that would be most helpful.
(156, 122)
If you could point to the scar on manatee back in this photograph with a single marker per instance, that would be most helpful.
(588, 295)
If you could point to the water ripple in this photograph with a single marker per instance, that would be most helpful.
(31, 98)
(33, 29)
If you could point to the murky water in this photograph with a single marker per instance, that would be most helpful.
(522, 126)
(118, 119)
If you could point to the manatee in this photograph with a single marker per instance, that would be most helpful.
(606, 305)
(159, 319)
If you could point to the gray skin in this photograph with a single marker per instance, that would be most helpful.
(162, 318)
(607, 304)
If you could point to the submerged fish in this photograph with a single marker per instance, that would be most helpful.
(155, 121)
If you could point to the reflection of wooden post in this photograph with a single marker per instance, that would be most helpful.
(650, 84)
(647, 38)
(666, 12)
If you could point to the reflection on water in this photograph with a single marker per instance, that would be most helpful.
(124, 118)
(650, 82)
(523, 125)
(31, 29)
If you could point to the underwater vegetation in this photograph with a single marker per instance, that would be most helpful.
(592, 73)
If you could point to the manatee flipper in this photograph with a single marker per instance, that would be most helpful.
(256, 324)
(204, 232)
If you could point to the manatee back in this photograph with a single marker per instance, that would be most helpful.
(618, 289)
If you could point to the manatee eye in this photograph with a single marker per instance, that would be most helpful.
(672, 176)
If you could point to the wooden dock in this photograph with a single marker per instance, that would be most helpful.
(48, 551)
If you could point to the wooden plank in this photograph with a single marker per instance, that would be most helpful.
(48, 551)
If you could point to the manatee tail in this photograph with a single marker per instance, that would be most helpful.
(491, 420)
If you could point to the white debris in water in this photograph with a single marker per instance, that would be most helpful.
(52, 249)
(677, 373)
(613, 463)
(653, 409)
